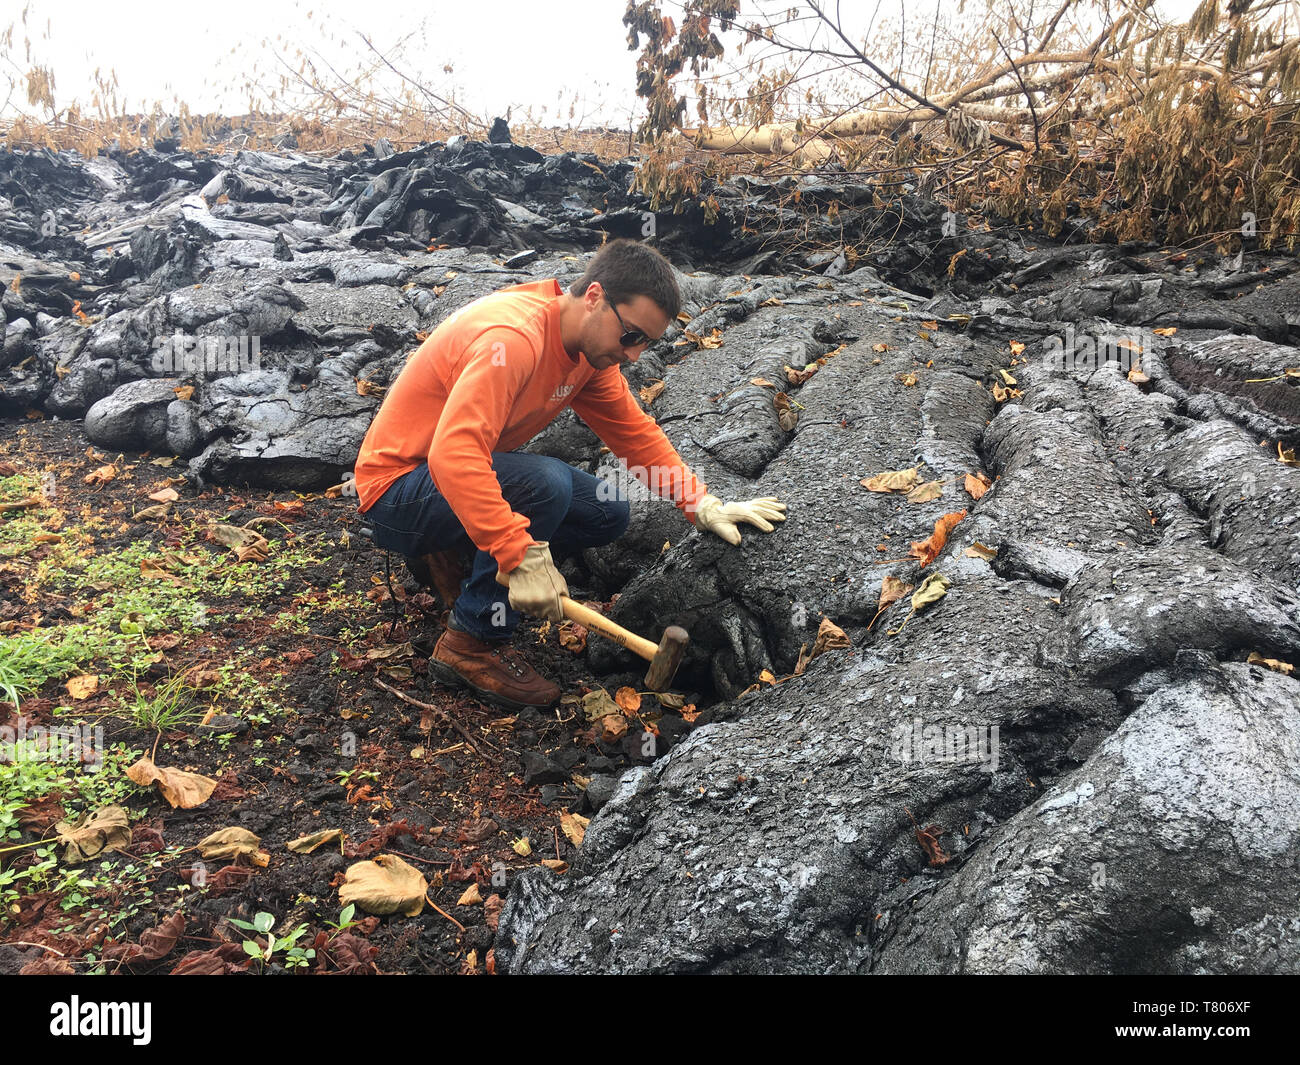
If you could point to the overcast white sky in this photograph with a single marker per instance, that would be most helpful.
(502, 52)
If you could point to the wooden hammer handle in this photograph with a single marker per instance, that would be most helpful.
(638, 645)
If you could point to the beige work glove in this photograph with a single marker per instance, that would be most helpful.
(536, 585)
(718, 517)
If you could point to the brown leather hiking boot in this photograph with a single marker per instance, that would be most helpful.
(495, 672)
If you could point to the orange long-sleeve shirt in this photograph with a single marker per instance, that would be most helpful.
(490, 378)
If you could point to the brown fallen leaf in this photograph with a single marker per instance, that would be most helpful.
(229, 843)
(156, 513)
(611, 728)
(907, 380)
(102, 475)
(575, 827)
(477, 829)
(787, 417)
(830, 637)
(928, 550)
(572, 636)
(246, 543)
(219, 961)
(893, 480)
(1016, 347)
(83, 687)
(892, 589)
(928, 838)
(153, 570)
(104, 829)
(597, 704)
(492, 907)
(628, 700)
(383, 886)
(977, 484)
(979, 550)
(48, 965)
(470, 897)
(367, 387)
(155, 943)
(164, 495)
(555, 865)
(309, 843)
(179, 788)
(924, 493)
(652, 391)
(1257, 659)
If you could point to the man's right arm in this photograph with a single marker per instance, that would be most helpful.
(497, 367)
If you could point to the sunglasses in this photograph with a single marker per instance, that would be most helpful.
(631, 338)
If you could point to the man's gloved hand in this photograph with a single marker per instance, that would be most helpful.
(718, 517)
(536, 585)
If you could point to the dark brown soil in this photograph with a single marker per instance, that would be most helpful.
(449, 801)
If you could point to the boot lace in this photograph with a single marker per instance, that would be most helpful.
(512, 660)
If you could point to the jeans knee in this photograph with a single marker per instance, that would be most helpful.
(618, 515)
(552, 485)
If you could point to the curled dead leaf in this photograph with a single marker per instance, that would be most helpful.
(597, 704)
(103, 829)
(575, 827)
(786, 415)
(977, 484)
(179, 788)
(229, 843)
(893, 480)
(1257, 659)
(926, 551)
(316, 840)
(924, 493)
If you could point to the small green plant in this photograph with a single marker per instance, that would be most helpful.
(345, 920)
(347, 776)
(295, 957)
(169, 708)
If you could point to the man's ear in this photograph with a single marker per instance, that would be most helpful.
(592, 297)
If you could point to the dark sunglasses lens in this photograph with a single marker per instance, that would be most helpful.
(633, 338)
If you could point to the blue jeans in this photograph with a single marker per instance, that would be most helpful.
(564, 507)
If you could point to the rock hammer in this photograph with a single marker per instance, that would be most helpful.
(664, 658)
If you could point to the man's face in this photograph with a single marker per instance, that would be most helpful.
(601, 330)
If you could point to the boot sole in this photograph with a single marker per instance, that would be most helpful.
(452, 679)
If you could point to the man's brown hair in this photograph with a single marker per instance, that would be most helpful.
(627, 268)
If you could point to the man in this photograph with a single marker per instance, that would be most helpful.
(438, 469)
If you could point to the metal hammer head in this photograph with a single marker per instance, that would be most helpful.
(667, 657)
